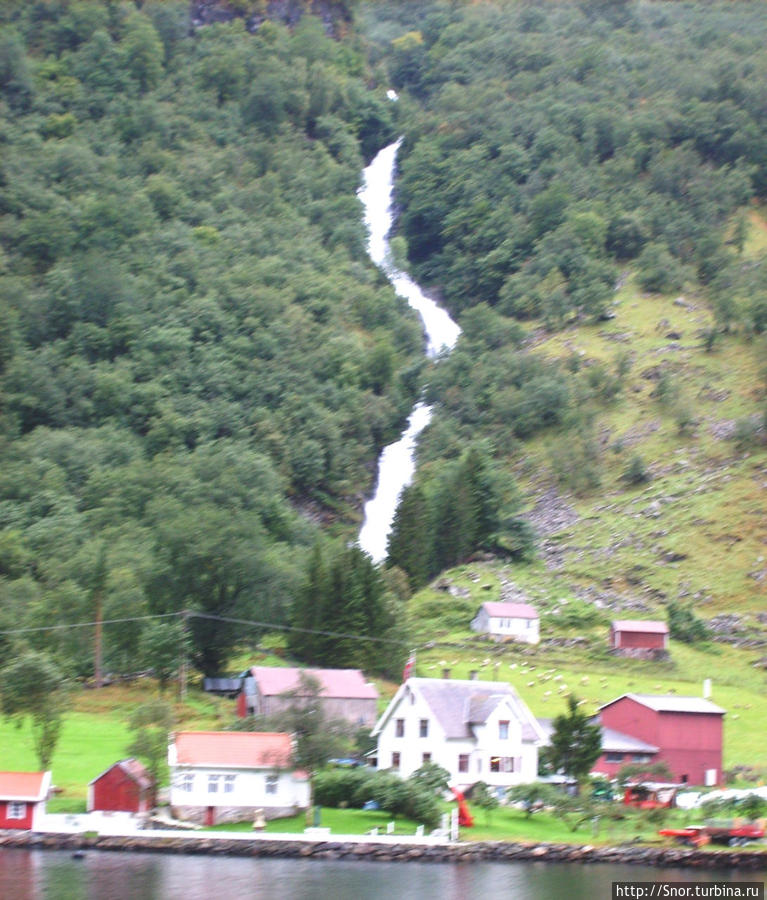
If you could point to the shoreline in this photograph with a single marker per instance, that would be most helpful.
(397, 850)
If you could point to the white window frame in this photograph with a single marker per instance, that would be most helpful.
(186, 782)
(213, 784)
(229, 783)
(272, 784)
(17, 809)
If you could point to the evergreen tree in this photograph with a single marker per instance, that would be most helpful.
(575, 743)
(410, 541)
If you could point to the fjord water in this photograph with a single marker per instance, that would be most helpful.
(396, 465)
(55, 875)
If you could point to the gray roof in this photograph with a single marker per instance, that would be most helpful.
(457, 705)
(612, 741)
(617, 742)
(671, 703)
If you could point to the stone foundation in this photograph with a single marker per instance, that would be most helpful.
(229, 814)
(630, 854)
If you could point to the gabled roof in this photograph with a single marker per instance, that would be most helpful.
(644, 626)
(459, 705)
(671, 703)
(237, 749)
(344, 684)
(24, 787)
(498, 609)
(134, 769)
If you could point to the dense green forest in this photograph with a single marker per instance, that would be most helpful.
(199, 364)
(552, 153)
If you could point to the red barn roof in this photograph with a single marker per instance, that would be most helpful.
(645, 626)
(29, 787)
(238, 749)
(346, 684)
(497, 609)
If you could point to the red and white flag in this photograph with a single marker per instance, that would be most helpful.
(409, 667)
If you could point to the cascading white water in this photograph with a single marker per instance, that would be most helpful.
(396, 465)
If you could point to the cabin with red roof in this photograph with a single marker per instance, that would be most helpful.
(508, 621)
(344, 693)
(683, 732)
(640, 638)
(231, 776)
(126, 786)
(22, 799)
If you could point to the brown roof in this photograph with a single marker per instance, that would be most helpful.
(133, 769)
(24, 786)
(345, 684)
(239, 749)
(645, 626)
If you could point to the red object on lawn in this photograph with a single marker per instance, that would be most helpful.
(465, 818)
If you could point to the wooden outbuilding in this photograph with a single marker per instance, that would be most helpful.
(126, 786)
(642, 638)
(22, 799)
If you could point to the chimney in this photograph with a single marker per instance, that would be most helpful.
(446, 673)
(473, 675)
(707, 688)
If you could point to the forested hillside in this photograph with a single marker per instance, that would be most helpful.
(198, 362)
(581, 183)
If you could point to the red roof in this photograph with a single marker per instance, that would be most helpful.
(497, 609)
(644, 626)
(240, 749)
(345, 684)
(24, 786)
(134, 769)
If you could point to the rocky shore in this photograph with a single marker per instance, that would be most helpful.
(264, 846)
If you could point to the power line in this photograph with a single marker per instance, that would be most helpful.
(64, 625)
(191, 614)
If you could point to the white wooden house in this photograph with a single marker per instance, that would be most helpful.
(508, 621)
(229, 776)
(476, 730)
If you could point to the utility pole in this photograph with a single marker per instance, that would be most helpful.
(99, 583)
(182, 668)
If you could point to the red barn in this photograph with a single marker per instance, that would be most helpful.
(635, 637)
(125, 786)
(22, 799)
(686, 730)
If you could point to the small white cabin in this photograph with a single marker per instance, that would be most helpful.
(508, 621)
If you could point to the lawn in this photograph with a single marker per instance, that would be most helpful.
(340, 821)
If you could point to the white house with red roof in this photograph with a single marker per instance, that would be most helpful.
(229, 776)
(344, 693)
(476, 730)
(508, 621)
(22, 799)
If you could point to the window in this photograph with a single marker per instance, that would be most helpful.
(423, 728)
(229, 783)
(399, 728)
(463, 762)
(503, 730)
(425, 758)
(17, 810)
(213, 784)
(614, 757)
(641, 758)
(501, 763)
(271, 783)
(187, 782)
(395, 758)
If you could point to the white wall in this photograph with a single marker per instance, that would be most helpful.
(480, 749)
(526, 630)
(248, 788)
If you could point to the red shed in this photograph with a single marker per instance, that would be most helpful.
(125, 786)
(686, 730)
(636, 637)
(22, 799)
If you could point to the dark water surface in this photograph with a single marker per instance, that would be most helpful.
(55, 875)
